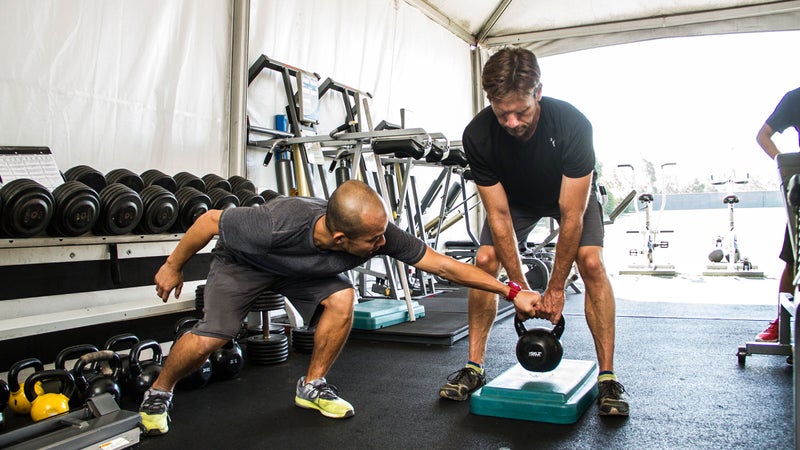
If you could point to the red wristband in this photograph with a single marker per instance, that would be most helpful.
(515, 288)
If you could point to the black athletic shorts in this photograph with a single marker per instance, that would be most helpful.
(787, 254)
(231, 288)
(524, 222)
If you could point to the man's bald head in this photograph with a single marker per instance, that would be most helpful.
(355, 209)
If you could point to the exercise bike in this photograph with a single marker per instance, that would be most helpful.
(725, 257)
(644, 254)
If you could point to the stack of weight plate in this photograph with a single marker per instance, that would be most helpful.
(27, 208)
(303, 339)
(267, 348)
(199, 292)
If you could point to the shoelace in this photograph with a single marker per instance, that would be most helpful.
(460, 374)
(325, 391)
(612, 388)
(157, 403)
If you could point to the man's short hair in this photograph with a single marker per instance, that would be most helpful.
(346, 204)
(512, 70)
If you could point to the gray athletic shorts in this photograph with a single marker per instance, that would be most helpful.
(593, 231)
(231, 289)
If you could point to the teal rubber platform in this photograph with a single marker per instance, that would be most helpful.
(560, 396)
(380, 313)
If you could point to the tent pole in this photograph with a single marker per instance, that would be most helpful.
(237, 133)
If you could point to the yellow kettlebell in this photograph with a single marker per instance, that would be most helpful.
(49, 404)
(17, 401)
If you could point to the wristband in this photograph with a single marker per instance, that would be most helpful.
(515, 288)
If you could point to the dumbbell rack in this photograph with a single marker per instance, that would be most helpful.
(56, 284)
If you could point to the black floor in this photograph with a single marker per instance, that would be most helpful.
(677, 361)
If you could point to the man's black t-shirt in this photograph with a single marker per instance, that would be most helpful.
(531, 171)
(787, 113)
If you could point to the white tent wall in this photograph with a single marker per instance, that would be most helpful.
(116, 83)
(384, 47)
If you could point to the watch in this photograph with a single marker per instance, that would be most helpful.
(515, 288)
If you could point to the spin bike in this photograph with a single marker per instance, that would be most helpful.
(725, 258)
(649, 233)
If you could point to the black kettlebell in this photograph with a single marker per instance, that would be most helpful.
(17, 400)
(102, 379)
(227, 361)
(539, 349)
(200, 377)
(121, 342)
(144, 372)
(5, 394)
(73, 352)
(49, 404)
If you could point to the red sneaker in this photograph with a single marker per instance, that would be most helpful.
(770, 334)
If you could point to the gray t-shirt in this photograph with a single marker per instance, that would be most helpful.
(278, 237)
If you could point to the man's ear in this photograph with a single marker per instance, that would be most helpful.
(339, 237)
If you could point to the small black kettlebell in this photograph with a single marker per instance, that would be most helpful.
(144, 372)
(5, 394)
(200, 377)
(227, 361)
(539, 349)
(104, 379)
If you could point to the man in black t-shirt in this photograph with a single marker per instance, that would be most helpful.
(297, 247)
(533, 157)
(786, 114)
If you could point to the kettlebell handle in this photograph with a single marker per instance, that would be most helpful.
(557, 331)
(19, 366)
(128, 339)
(136, 351)
(66, 380)
(110, 356)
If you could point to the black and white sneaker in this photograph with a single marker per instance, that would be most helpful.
(612, 399)
(462, 383)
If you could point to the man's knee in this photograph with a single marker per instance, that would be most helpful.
(201, 345)
(486, 259)
(590, 264)
(340, 303)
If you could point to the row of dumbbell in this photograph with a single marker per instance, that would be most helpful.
(119, 202)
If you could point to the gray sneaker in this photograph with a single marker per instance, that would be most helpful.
(462, 383)
(155, 412)
(323, 397)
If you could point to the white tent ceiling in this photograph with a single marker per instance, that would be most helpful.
(551, 27)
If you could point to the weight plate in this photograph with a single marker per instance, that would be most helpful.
(192, 204)
(88, 176)
(126, 177)
(222, 199)
(158, 178)
(77, 209)
(213, 180)
(538, 275)
(120, 210)
(240, 183)
(27, 208)
(184, 179)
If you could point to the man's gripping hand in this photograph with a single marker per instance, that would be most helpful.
(527, 302)
(552, 305)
